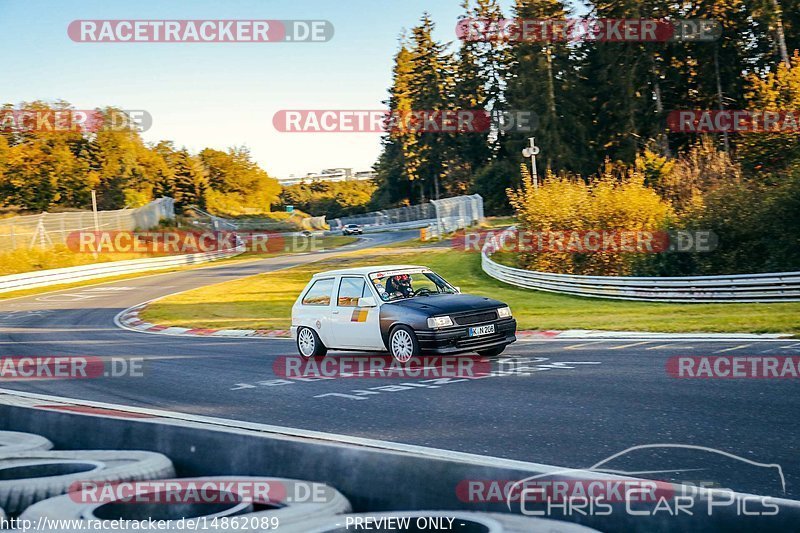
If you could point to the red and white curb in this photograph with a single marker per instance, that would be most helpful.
(129, 319)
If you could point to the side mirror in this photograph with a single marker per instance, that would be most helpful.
(367, 301)
(458, 289)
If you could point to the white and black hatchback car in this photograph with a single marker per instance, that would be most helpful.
(405, 309)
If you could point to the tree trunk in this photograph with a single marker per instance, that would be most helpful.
(779, 32)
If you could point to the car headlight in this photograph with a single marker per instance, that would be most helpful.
(439, 322)
(504, 312)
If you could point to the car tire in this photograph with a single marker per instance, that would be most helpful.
(286, 508)
(15, 442)
(403, 344)
(309, 346)
(467, 520)
(45, 474)
(492, 352)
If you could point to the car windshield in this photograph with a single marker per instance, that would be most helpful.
(402, 284)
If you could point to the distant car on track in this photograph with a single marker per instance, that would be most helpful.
(352, 229)
(404, 309)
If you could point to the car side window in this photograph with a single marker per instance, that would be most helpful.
(319, 293)
(350, 290)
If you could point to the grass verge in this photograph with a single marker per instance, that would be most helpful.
(297, 246)
(264, 301)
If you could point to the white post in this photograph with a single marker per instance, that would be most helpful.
(531, 151)
(96, 221)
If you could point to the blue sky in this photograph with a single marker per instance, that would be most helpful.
(219, 94)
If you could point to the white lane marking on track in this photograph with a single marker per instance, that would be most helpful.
(578, 346)
(83, 294)
(623, 346)
(791, 347)
(672, 346)
(734, 348)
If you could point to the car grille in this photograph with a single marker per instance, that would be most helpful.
(475, 318)
(468, 342)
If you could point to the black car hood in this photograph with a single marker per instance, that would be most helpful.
(448, 303)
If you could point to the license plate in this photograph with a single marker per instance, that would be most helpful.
(481, 330)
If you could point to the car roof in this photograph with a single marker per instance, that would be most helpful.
(363, 271)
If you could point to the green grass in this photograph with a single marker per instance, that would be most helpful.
(28, 260)
(498, 222)
(327, 243)
(264, 301)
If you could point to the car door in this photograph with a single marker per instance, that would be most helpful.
(353, 326)
(314, 309)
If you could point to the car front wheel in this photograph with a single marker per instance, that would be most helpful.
(403, 344)
(309, 344)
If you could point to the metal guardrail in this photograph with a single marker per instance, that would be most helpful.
(770, 287)
(31, 280)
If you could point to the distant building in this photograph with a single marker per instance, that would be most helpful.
(329, 175)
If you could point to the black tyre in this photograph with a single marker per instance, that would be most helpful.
(28, 477)
(13, 442)
(309, 344)
(79, 507)
(403, 344)
(492, 352)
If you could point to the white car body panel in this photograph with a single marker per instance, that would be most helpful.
(341, 326)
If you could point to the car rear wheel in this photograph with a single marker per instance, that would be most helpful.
(309, 344)
(403, 344)
(492, 352)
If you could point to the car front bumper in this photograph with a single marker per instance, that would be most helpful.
(457, 340)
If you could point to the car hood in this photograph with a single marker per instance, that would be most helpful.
(448, 303)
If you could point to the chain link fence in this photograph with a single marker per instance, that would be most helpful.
(444, 216)
(49, 229)
(206, 220)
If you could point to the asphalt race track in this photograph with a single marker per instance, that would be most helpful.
(566, 403)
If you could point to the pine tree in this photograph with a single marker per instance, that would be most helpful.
(393, 178)
(543, 79)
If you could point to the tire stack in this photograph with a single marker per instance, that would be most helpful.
(37, 484)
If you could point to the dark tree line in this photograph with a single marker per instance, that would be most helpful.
(595, 101)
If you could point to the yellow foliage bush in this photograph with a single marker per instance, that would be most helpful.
(617, 200)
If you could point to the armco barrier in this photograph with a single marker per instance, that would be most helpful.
(31, 280)
(772, 287)
(374, 476)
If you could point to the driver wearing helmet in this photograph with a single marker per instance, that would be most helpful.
(400, 284)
